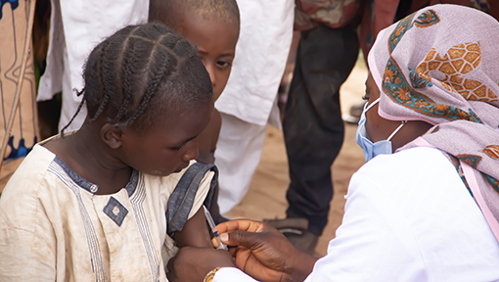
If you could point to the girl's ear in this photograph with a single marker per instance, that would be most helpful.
(111, 135)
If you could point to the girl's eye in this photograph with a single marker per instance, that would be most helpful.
(179, 147)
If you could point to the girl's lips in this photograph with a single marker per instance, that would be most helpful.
(181, 168)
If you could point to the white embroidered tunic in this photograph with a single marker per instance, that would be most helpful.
(54, 228)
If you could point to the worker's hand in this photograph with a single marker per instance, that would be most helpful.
(263, 252)
(192, 263)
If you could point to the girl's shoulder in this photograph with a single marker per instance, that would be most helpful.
(22, 198)
(32, 170)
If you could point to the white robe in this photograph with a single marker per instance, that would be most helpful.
(76, 28)
(249, 100)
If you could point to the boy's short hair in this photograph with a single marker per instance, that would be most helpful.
(171, 12)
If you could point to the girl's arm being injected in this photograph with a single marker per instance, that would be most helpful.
(195, 232)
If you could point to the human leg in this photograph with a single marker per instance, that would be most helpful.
(313, 127)
(238, 153)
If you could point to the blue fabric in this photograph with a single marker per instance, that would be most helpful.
(93, 188)
(370, 149)
(13, 4)
(181, 200)
(116, 211)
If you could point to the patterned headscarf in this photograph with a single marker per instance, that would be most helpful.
(441, 65)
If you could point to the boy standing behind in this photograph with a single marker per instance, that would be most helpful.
(213, 26)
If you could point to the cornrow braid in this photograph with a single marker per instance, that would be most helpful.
(131, 76)
(76, 113)
(100, 77)
(156, 74)
(126, 74)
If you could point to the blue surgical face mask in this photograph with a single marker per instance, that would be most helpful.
(371, 149)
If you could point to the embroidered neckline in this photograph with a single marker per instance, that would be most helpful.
(130, 187)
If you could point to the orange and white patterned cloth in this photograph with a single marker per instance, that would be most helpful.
(440, 65)
(14, 18)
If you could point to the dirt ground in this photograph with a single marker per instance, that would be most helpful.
(266, 196)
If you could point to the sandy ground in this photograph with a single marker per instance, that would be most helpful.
(266, 196)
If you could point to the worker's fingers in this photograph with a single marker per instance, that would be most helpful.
(240, 224)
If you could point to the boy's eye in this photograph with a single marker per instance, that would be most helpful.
(224, 64)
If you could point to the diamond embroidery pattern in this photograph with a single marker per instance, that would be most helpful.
(116, 211)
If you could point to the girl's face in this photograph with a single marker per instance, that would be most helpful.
(170, 145)
(379, 128)
(216, 42)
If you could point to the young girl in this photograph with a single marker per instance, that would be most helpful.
(90, 205)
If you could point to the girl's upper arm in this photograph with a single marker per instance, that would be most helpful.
(195, 232)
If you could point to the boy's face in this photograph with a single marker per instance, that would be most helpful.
(170, 145)
(216, 42)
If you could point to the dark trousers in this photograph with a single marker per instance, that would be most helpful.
(312, 125)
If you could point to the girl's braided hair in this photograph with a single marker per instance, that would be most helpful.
(132, 75)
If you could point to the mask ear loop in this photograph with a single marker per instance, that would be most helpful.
(367, 106)
(396, 130)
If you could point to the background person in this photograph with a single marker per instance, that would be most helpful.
(249, 101)
(313, 127)
(213, 27)
(438, 98)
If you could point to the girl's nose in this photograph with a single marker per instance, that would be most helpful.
(191, 151)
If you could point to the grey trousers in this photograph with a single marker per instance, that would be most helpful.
(312, 125)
